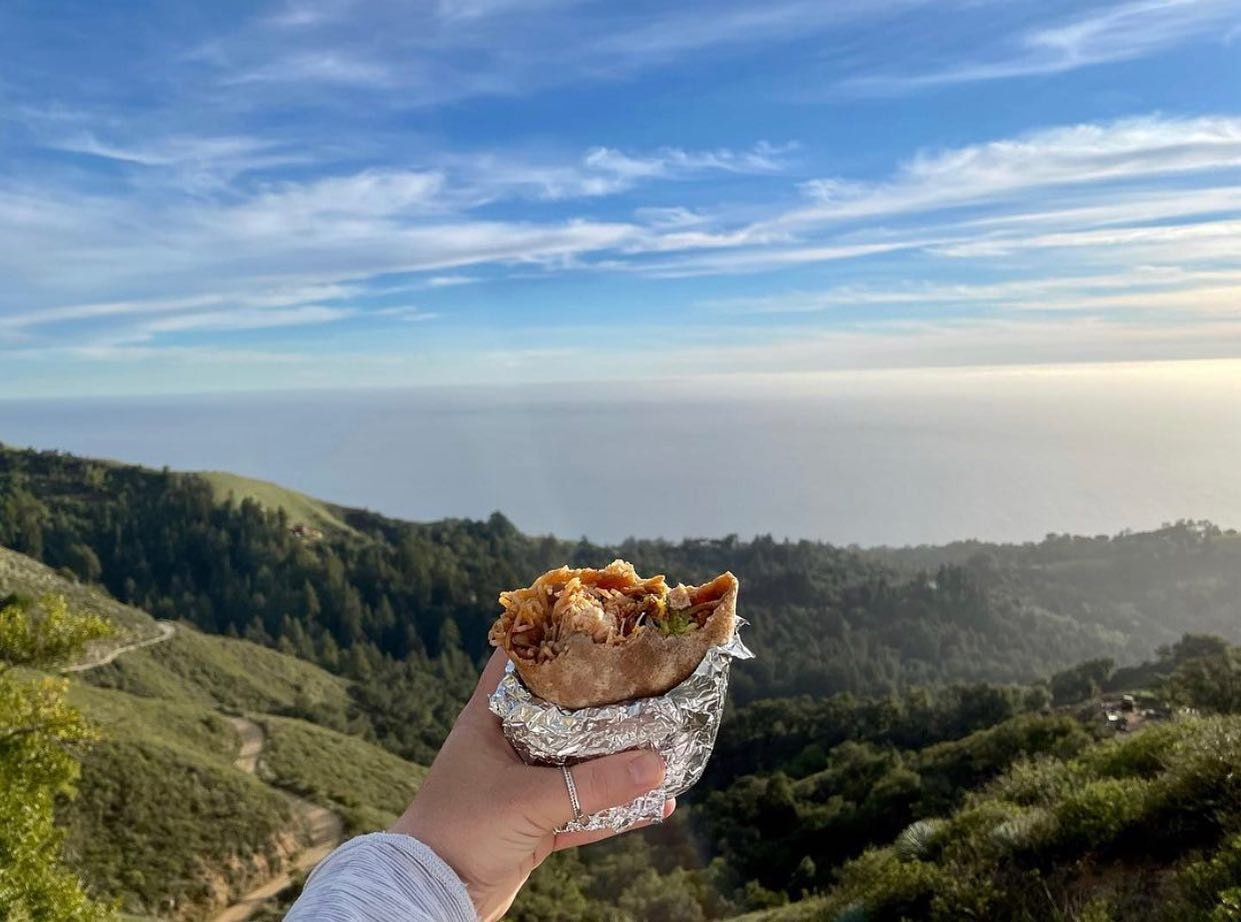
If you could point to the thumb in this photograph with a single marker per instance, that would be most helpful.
(611, 781)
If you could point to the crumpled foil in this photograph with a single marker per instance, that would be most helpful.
(680, 725)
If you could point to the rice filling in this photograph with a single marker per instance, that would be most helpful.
(611, 606)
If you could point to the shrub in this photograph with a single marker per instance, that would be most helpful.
(1208, 883)
(1142, 755)
(1096, 814)
(917, 840)
(888, 887)
(1200, 793)
(1026, 831)
(1037, 782)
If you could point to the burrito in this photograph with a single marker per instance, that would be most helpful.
(584, 638)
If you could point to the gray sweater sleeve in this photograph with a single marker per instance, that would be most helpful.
(380, 877)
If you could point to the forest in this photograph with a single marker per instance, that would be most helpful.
(914, 718)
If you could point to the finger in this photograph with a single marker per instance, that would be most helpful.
(574, 839)
(607, 782)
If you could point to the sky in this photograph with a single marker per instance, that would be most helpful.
(329, 194)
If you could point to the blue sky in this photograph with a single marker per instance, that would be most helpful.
(324, 193)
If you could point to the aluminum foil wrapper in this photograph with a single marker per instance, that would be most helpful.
(680, 725)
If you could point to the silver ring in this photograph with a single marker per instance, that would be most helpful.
(577, 804)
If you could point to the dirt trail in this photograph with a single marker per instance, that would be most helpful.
(252, 740)
(166, 630)
(326, 829)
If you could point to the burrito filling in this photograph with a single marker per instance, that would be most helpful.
(611, 606)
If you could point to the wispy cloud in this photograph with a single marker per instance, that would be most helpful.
(300, 14)
(327, 66)
(333, 245)
(1148, 288)
(486, 177)
(274, 297)
(246, 319)
(1116, 32)
(405, 312)
(331, 172)
(441, 52)
(1075, 155)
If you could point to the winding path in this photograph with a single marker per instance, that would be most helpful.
(166, 630)
(326, 829)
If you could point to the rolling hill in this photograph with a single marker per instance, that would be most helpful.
(20, 575)
(889, 687)
(824, 619)
(166, 820)
(300, 508)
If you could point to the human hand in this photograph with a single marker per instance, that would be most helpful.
(491, 817)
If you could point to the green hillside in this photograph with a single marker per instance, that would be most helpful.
(300, 508)
(21, 575)
(366, 785)
(163, 820)
(1143, 827)
(889, 689)
(227, 673)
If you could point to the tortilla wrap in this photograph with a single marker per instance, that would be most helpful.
(584, 637)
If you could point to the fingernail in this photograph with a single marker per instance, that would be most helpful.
(647, 770)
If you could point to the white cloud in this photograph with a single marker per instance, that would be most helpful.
(300, 14)
(449, 281)
(246, 319)
(1117, 32)
(437, 52)
(288, 207)
(482, 178)
(279, 296)
(670, 217)
(1184, 242)
(656, 39)
(327, 66)
(1124, 150)
(128, 268)
(763, 157)
(1151, 288)
(412, 314)
(481, 9)
(172, 355)
(171, 151)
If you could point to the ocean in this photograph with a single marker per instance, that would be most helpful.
(866, 458)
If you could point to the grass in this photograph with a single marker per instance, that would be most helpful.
(300, 508)
(367, 785)
(162, 820)
(166, 831)
(22, 575)
(196, 731)
(224, 672)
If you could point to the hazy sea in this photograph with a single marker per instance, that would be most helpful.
(865, 457)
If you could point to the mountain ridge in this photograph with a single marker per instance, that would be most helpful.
(912, 681)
